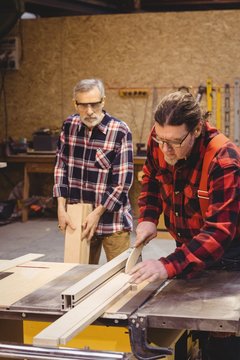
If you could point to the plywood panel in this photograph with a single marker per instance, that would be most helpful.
(160, 51)
(8, 264)
(27, 278)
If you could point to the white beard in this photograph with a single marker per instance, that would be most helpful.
(91, 123)
(170, 161)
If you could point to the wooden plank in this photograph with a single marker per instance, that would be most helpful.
(86, 312)
(28, 278)
(114, 311)
(46, 299)
(76, 249)
(133, 258)
(73, 294)
(8, 264)
(127, 304)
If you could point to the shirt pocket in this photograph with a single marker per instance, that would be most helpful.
(104, 159)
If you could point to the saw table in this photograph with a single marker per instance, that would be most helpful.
(32, 291)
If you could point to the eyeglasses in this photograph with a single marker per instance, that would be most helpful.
(84, 106)
(174, 144)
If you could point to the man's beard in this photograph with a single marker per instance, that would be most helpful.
(170, 161)
(91, 122)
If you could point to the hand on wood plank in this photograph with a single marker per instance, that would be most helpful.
(77, 247)
(90, 224)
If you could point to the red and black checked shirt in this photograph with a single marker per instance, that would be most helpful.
(173, 191)
(96, 167)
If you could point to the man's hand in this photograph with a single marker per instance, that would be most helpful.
(91, 222)
(63, 217)
(145, 232)
(150, 270)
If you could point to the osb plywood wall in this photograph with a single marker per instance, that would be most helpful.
(159, 52)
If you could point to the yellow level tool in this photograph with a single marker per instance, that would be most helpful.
(209, 96)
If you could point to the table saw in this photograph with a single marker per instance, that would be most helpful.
(32, 291)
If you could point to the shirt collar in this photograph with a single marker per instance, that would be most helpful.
(102, 126)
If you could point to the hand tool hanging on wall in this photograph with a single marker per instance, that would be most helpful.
(209, 95)
(218, 108)
(227, 110)
(237, 111)
(201, 90)
(134, 93)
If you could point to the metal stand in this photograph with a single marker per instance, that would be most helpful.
(139, 343)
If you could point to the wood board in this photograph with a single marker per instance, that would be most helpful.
(133, 258)
(47, 298)
(72, 295)
(27, 278)
(86, 312)
(76, 249)
(8, 264)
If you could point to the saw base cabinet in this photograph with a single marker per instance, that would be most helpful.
(116, 338)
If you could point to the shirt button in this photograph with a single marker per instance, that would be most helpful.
(176, 192)
(179, 234)
(176, 213)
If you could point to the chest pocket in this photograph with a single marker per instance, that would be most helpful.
(104, 159)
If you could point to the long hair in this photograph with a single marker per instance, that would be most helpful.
(179, 108)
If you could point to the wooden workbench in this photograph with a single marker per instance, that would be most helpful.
(43, 163)
(31, 164)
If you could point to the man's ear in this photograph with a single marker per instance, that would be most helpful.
(198, 130)
(103, 101)
(74, 104)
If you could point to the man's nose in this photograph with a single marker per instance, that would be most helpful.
(166, 147)
(89, 110)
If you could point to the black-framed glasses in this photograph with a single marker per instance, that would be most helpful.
(84, 106)
(171, 143)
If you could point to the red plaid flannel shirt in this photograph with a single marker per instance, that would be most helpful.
(173, 191)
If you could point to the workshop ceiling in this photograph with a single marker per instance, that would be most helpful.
(53, 8)
(12, 10)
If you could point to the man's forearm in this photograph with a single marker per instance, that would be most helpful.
(100, 210)
(61, 203)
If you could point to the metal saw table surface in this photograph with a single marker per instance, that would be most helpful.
(33, 291)
(209, 302)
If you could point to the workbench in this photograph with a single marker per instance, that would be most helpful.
(31, 164)
(44, 163)
(32, 291)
